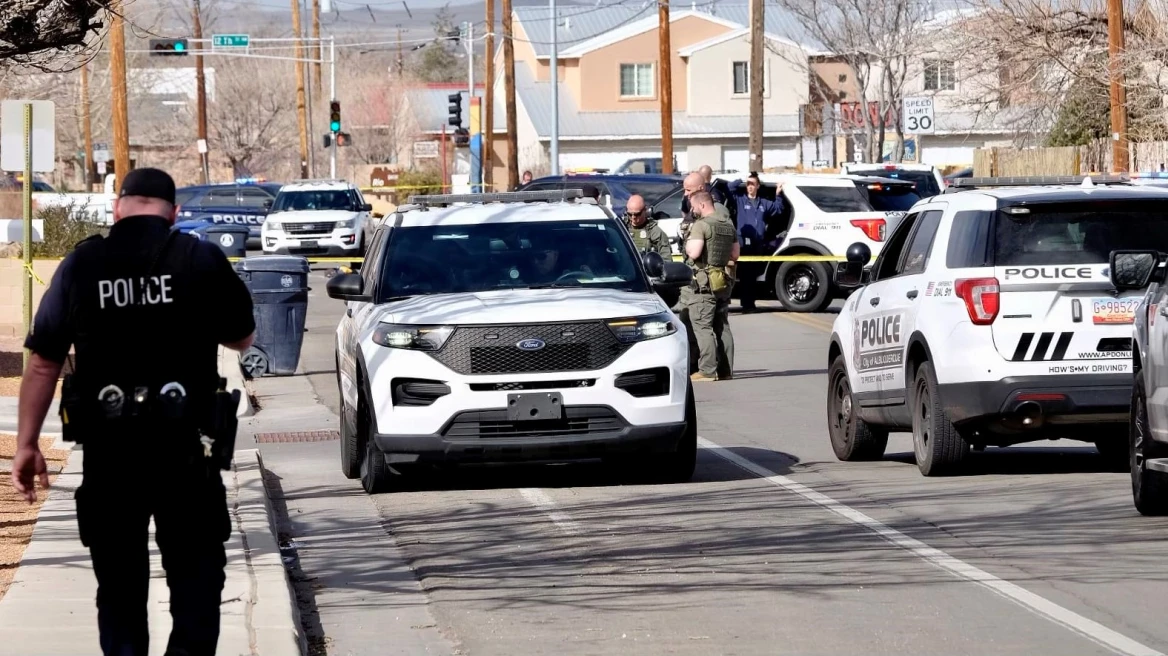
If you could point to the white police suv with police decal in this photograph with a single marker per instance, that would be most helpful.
(989, 320)
(512, 326)
(317, 217)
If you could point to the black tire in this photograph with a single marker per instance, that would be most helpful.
(938, 445)
(678, 467)
(376, 476)
(254, 363)
(351, 446)
(803, 286)
(852, 438)
(1149, 488)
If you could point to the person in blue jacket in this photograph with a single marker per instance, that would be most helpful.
(754, 216)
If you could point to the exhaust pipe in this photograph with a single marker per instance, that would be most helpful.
(1030, 413)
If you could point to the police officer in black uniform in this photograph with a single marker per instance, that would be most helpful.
(145, 309)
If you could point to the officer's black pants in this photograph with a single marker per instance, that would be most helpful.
(114, 505)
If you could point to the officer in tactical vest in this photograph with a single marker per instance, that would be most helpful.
(711, 249)
(145, 310)
(647, 235)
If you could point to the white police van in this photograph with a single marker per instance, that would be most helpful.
(989, 320)
(511, 326)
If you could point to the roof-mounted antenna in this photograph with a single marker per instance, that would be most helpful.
(1087, 182)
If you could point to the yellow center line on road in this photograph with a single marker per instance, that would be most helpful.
(805, 320)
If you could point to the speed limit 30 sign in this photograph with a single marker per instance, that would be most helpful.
(918, 115)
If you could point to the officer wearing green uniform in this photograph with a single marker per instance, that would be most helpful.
(646, 234)
(711, 249)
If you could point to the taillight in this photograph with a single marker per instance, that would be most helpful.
(873, 228)
(982, 298)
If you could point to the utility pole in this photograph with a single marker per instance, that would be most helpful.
(319, 48)
(488, 122)
(201, 88)
(666, 59)
(87, 128)
(119, 118)
(1119, 145)
(309, 93)
(555, 85)
(469, 64)
(300, 106)
(509, 97)
(756, 67)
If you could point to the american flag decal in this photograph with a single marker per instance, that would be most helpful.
(929, 289)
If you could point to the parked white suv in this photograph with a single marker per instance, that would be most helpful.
(317, 217)
(511, 326)
(822, 215)
(990, 320)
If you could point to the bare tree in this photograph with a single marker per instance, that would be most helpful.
(878, 44)
(252, 119)
(34, 32)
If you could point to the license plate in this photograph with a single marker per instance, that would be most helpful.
(307, 243)
(1114, 310)
(535, 407)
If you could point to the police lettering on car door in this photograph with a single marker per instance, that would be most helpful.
(878, 346)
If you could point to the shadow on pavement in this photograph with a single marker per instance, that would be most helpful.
(743, 374)
(1018, 460)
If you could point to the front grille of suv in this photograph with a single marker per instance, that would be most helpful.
(309, 228)
(567, 347)
(577, 421)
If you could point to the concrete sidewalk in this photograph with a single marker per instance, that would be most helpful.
(50, 607)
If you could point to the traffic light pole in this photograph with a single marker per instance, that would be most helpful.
(333, 97)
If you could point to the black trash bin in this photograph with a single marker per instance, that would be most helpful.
(279, 293)
(231, 238)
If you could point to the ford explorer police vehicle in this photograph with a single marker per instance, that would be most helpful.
(318, 217)
(244, 202)
(515, 326)
(989, 320)
(1148, 426)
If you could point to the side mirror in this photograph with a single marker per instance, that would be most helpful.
(268, 203)
(675, 274)
(859, 253)
(654, 264)
(1133, 269)
(852, 273)
(347, 287)
(367, 207)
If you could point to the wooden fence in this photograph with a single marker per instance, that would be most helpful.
(1095, 157)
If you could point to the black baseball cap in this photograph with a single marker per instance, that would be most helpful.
(150, 183)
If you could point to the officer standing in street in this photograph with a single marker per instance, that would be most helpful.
(711, 249)
(138, 399)
(647, 235)
(754, 215)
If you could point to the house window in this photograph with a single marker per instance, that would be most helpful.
(741, 78)
(636, 80)
(940, 75)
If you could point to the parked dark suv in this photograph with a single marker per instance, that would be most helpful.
(238, 203)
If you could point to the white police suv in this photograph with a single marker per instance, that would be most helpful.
(511, 326)
(989, 319)
(317, 217)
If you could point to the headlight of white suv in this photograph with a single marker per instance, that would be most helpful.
(416, 338)
(351, 223)
(639, 329)
(273, 225)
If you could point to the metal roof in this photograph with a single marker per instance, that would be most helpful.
(578, 25)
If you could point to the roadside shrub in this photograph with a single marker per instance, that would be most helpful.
(417, 183)
(62, 232)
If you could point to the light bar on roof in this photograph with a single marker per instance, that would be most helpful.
(499, 197)
(1036, 181)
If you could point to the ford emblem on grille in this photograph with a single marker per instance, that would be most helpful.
(530, 344)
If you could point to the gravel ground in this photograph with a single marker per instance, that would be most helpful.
(18, 517)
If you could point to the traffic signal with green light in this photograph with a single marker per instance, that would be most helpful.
(335, 116)
(168, 47)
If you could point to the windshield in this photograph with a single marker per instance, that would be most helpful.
(322, 199)
(451, 259)
(925, 181)
(1063, 234)
(892, 200)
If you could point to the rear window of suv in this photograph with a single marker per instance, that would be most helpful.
(1078, 233)
(836, 199)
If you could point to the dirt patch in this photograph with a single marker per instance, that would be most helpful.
(17, 516)
(12, 366)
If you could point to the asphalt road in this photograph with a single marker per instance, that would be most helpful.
(773, 547)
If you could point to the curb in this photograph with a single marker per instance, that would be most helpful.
(230, 369)
(274, 618)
